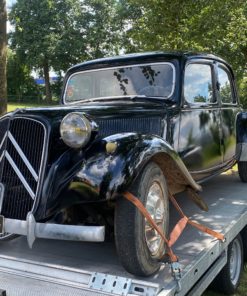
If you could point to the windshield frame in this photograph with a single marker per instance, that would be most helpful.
(121, 96)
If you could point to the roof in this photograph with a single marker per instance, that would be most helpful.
(143, 56)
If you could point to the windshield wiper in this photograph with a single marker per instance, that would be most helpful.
(143, 98)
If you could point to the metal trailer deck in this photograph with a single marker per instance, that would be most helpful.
(72, 268)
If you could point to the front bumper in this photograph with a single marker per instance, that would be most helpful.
(33, 230)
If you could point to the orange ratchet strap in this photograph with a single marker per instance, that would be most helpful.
(135, 201)
(183, 222)
(177, 230)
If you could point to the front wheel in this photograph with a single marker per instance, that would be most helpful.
(139, 246)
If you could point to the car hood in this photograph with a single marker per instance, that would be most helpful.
(111, 118)
(98, 109)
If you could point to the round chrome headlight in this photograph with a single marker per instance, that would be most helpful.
(75, 130)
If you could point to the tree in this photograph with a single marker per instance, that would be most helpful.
(59, 33)
(160, 25)
(46, 34)
(20, 83)
(216, 26)
(221, 27)
(3, 54)
(103, 27)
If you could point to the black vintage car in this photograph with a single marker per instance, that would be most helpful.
(143, 123)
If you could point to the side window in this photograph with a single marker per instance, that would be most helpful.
(225, 86)
(198, 83)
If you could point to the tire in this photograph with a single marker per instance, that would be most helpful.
(228, 279)
(244, 240)
(133, 237)
(242, 170)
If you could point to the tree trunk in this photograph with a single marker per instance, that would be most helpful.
(3, 57)
(47, 82)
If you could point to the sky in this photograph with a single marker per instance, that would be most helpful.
(9, 3)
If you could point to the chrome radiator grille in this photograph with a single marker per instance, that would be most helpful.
(20, 164)
(146, 125)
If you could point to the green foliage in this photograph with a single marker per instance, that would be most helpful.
(13, 106)
(3, 55)
(57, 88)
(19, 81)
(220, 27)
(216, 26)
(225, 93)
(64, 32)
(243, 92)
(59, 33)
(103, 27)
(40, 30)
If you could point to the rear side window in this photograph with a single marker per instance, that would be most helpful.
(198, 83)
(225, 86)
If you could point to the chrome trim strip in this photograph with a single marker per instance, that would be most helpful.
(126, 66)
(23, 156)
(2, 189)
(5, 116)
(19, 174)
(1, 158)
(3, 140)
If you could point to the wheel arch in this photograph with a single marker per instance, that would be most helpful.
(132, 153)
(176, 174)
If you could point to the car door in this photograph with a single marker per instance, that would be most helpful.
(229, 109)
(200, 134)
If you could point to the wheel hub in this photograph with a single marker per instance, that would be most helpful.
(235, 262)
(156, 207)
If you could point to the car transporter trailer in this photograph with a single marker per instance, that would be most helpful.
(74, 268)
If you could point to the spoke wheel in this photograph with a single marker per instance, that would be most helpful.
(156, 207)
(139, 246)
(235, 262)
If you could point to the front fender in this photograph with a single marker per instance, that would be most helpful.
(110, 173)
(241, 126)
(99, 173)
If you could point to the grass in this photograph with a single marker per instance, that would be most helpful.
(13, 106)
(243, 285)
(242, 291)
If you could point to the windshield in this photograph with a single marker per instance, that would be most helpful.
(156, 80)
